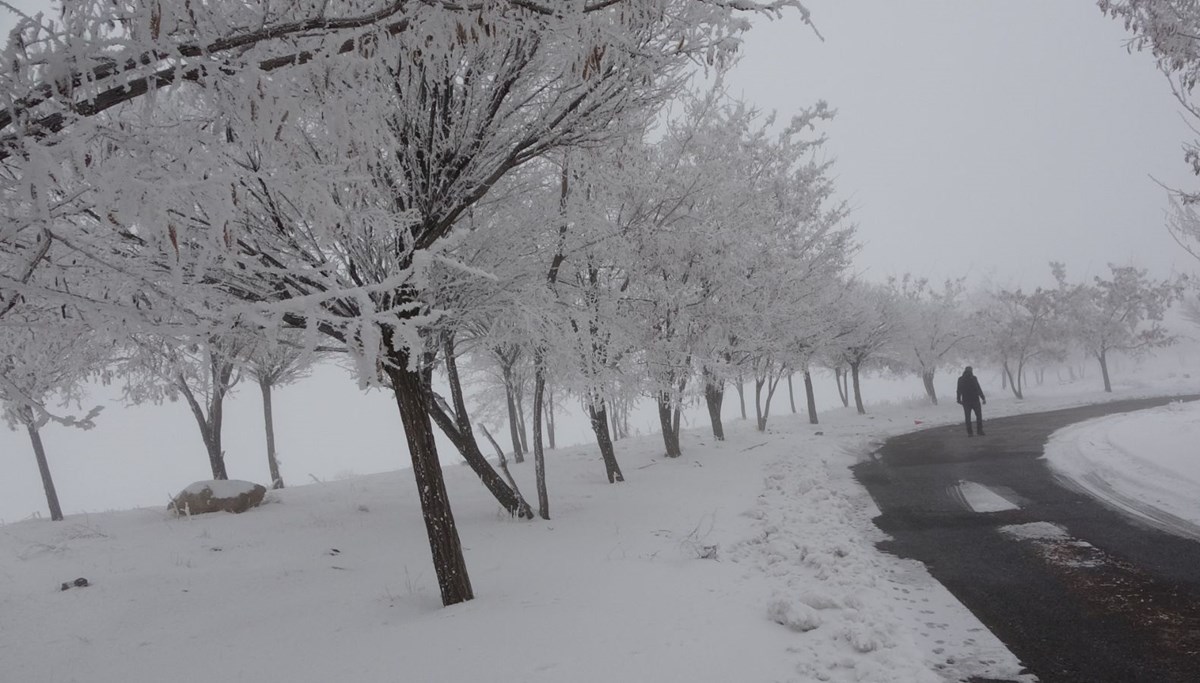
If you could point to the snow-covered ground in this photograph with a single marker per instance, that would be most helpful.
(1146, 464)
(748, 560)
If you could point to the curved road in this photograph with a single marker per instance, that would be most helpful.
(1077, 591)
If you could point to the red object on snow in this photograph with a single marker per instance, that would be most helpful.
(917, 422)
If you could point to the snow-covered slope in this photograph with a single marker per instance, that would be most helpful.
(1146, 464)
(748, 560)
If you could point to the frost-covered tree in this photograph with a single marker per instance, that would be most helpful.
(1122, 313)
(1015, 328)
(866, 323)
(932, 325)
(319, 159)
(1170, 31)
(46, 356)
(203, 371)
(275, 363)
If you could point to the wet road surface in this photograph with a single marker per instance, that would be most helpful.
(1079, 592)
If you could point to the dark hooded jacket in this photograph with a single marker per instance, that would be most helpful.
(969, 391)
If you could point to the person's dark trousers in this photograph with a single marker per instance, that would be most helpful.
(967, 408)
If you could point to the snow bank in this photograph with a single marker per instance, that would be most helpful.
(1145, 464)
(748, 560)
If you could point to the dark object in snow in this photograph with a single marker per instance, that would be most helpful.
(217, 496)
(818, 433)
(78, 583)
(707, 552)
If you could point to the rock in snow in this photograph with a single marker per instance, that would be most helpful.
(217, 496)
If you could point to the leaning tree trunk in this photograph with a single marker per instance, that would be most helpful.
(930, 391)
(791, 394)
(464, 440)
(839, 378)
(714, 396)
(503, 463)
(810, 398)
(539, 454)
(741, 397)
(39, 452)
(858, 403)
(599, 418)
(458, 430)
(269, 422)
(1103, 358)
(448, 561)
(669, 433)
(1012, 383)
(522, 431)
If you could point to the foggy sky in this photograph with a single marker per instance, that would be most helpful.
(984, 138)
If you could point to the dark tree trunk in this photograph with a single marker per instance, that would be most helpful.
(930, 391)
(508, 497)
(522, 431)
(1012, 382)
(210, 433)
(39, 452)
(760, 413)
(504, 468)
(714, 396)
(741, 396)
(458, 430)
(269, 422)
(1103, 358)
(858, 403)
(810, 398)
(669, 434)
(412, 400)
(599, 419)
(791, 394)
(220, 374)
(539, 454)
(513, 430)
(839, 378)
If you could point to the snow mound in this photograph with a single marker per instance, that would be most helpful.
(1036, 531)
(1144, 464)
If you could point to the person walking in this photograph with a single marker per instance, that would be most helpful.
(970, 395)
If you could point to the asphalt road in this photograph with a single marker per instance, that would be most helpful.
(1099, 598)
